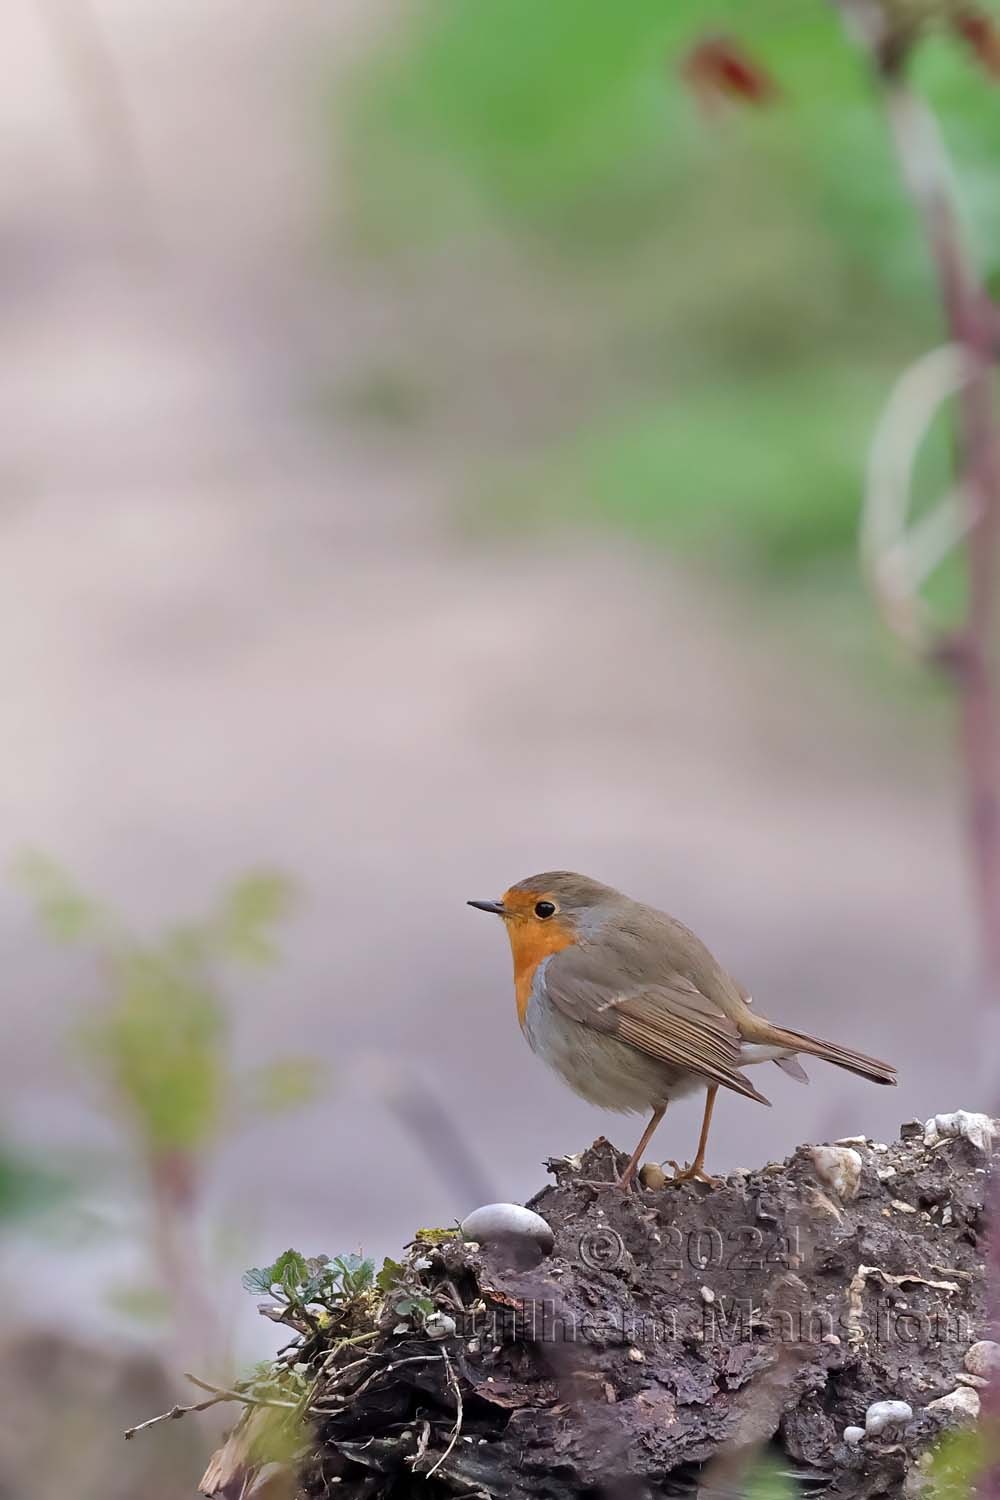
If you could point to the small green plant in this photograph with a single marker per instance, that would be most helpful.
(311, 1292)
(158, 1044)
(412, 1307)
(299, 1282)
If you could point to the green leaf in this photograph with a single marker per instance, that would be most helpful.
(389, 1275)
(287, 1083)
(161, 1043)
(289, 1272)
(62, 906)
(249, 912)
(257, 1280)
(357, 1273)
(407, 1306)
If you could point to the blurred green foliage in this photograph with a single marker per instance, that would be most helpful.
(742, 289)
(159, 1041)
(25, 1186)
(767, 1481)
(957, 1462)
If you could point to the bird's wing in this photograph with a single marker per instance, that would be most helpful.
(670, 1020)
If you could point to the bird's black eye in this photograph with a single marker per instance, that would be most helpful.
(545, 909)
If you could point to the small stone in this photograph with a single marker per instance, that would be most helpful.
(884, 1173)
(903, 1208)
(652, 1176)
(839, 1169)
(961, 1402)
(831, 1338)
(510, 1222)
(964, 1123)
(910, 1130)
(636, 1355)
(853, 1436)
(707, 1295)
(851, 1140)
(983, 1358)
(439, 1326)
(882, 1415)
(946, 1214)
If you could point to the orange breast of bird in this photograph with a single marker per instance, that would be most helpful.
(531, 942)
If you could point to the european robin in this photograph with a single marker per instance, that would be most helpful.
(631, 1008)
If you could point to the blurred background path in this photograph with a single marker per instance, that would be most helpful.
(236, 632)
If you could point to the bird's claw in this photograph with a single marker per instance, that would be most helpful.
(602, 1183)
(690, 1172)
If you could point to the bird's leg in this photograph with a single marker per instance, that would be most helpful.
(696, 1171)
(625, 1179)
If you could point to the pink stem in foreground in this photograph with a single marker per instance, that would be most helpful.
(972, 323)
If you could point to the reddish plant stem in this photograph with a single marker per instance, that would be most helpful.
(966, 653)
(173, 1178)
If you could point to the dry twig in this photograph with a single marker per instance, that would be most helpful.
(459, 1413)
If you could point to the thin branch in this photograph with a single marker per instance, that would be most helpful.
(93, 74)
(222, 1393)
(173, 1414)
(219, 1394)
(459, 1414)
(897, 560)
(422, 1444)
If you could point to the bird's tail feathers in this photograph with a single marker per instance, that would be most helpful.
(793, 1068)
(842, 1057)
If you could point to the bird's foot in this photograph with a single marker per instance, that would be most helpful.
(602, 1184)
(691, 1172)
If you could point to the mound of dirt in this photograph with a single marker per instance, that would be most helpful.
(671, 1338)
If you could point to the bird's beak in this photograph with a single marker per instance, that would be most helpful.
(496, 907)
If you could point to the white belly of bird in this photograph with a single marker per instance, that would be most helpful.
(608, 1073)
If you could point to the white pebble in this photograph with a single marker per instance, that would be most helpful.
(983, 1358)
(507, 1221)
(707, 1295)
(839, 1169)
(439, 1326)
(853, 1436)
(964, 1402)
(883, 1414)
(977, 1128)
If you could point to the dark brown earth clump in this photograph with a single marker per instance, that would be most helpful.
(672, 1339)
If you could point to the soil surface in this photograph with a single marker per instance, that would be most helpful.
(241, 628)
(673, 1336)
